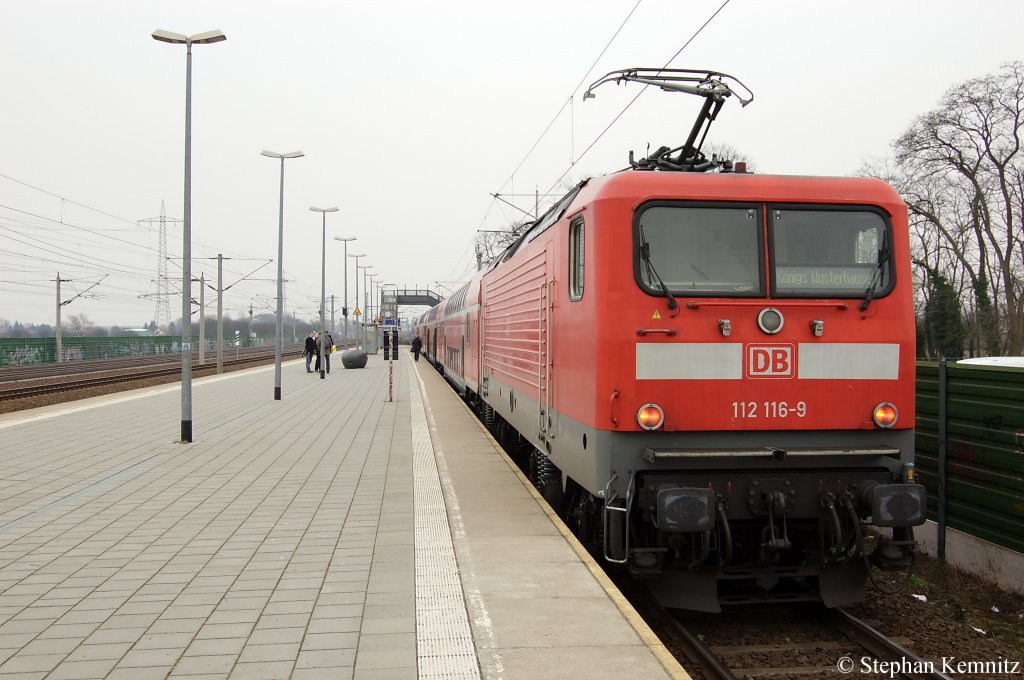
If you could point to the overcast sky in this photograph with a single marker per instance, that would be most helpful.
(411, 114)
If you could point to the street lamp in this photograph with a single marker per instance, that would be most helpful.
(366, 289)
(373, 298)
(344, 300)
(357, 293)
(366, 301)
(323, 289)
(378, 298)
(279, 342)
(186, 249)
(375, 315)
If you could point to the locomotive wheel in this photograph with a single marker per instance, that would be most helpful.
(546, 478)
(583, 517)
(552, 493)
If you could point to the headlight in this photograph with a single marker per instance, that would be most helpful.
(650, 416)
(895, 505)
(885, 415)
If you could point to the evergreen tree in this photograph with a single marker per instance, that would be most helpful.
(943, 321)
(988, 319)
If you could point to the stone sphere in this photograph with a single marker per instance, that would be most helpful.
(353, 358)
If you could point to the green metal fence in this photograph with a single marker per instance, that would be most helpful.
(970, 449)
(24, 351)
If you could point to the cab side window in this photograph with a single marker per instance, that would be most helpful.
(576, 259)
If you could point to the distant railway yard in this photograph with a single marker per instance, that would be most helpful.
(31, 386)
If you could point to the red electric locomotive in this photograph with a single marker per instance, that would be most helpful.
(713, 372)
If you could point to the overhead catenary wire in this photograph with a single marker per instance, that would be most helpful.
(567, 102)
(642, 90)
(17, 226)
(561, 109)
(594, 142)
(66, 200)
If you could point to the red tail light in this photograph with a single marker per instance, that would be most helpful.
(650, 416)
(885, 415)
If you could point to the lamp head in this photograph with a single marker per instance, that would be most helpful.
(169, 37)
(208, 37)
(274, 154)
(199, 38)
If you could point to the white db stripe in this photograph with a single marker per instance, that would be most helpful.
(724, 361)
(852, 361)
(689, 361)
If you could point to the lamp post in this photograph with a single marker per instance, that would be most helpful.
(366, 289)
(377, 293)
(344, 300)
(357, 293)
(323, 290)
(373, 298)
(366, 301)
(186, 249)
(375, 315)
(279, 342)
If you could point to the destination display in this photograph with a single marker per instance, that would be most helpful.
(818, 277)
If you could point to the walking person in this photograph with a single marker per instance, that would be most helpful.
(309, 350)
(417, 345)
(316, 346)
(328, 348)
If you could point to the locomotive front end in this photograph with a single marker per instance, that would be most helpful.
(772, 380)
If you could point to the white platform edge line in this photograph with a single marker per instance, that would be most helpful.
(444, 641)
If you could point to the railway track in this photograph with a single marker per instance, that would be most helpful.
(38, 381)
(807, 641)
(52, 370)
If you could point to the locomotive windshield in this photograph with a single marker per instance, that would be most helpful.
(828, 253)
(696, 249)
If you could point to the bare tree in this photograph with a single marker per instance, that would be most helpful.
(729, 152)
(79, 324)
(960, 170)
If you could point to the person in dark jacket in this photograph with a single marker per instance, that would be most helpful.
(328, 345)
(417, 345)
(328, 348)
(310, 349)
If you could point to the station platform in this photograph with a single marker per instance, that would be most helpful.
(331, 534)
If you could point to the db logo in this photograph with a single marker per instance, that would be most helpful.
(770, 361)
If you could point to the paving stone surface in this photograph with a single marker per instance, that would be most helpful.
(282, 542)
(250, 552)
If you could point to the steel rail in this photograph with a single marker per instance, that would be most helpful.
(697, 650)
(142, 372)
(51, 370)
(884, 648)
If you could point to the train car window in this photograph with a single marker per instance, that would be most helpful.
(699, 250)
(576, 259)
(829, 252)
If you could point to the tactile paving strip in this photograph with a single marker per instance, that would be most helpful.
(444, 642)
